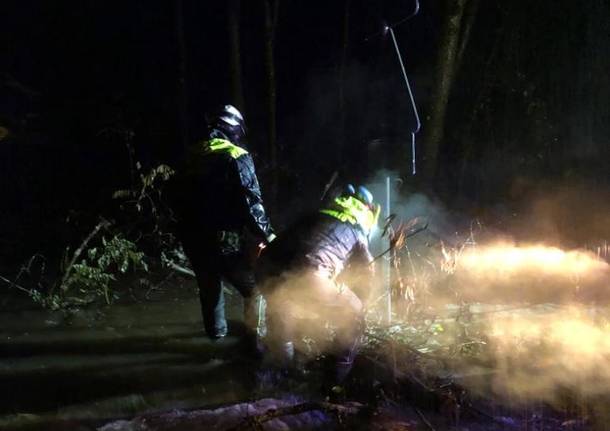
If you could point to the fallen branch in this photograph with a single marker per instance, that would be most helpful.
(189, 272)
(408, 348)
(255, 422)
(181, 269)
(424, 419)
(499, 420)
(329, 184)
(401, 234)
(15, 285)
(103, 224)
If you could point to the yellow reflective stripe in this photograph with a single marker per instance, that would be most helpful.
(218, 145)
(352, 211)
(340, 216)
(358, 210)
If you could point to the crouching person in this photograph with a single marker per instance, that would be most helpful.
(297, 275)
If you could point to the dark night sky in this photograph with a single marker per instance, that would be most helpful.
(99, 65)
(77, 73)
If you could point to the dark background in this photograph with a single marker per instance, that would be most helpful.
(81, 81)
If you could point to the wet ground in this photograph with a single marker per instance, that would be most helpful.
(121, 365)
(120, 361)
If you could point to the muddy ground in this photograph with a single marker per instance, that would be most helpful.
(145, 365)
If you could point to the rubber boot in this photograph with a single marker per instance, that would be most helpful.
(254, 319)
(254, 314)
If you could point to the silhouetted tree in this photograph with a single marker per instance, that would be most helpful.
(182, 82)
(271, 8)
(342, 66)
(454, 38)
(237, 94)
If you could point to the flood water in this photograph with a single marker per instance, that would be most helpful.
(117, 361)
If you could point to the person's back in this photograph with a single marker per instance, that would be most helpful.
(211, 193)
(318, 242)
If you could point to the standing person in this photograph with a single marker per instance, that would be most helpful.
(218, 206)
(297, 274)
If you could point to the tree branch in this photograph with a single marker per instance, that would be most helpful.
(15, 285)
(103, 224)
(182, 270)
(255, 422)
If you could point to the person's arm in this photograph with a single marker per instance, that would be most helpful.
(361, 251)
(361, 270)
(258, 221)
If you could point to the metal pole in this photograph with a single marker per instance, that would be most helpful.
(413, 163)
(388, 259)
(404, 74)
(417, 121)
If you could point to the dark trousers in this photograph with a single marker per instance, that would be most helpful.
(213, 267)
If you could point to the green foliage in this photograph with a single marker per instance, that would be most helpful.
(148, 192)
(92, 276)
(138, 236)
(171, 256)
(164, 172)
(151, 217)
(118, 251)
(51, 301)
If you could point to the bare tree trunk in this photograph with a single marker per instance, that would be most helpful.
(271, 13)
(342, 113)
(470, 16)
(445, 73)
(237, 93)
(471, 146)
(182, 83)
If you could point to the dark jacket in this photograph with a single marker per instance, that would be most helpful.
(217, 190)
(318, 242)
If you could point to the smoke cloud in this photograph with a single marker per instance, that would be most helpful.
(532, 352)
(531, 273)
(540, 354)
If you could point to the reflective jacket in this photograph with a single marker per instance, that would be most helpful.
(320, 242)
(218, 191)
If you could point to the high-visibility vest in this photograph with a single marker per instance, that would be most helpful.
(217, 145)
(350, 210)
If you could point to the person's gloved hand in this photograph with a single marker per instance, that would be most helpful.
(263, 244)
(259, 249)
